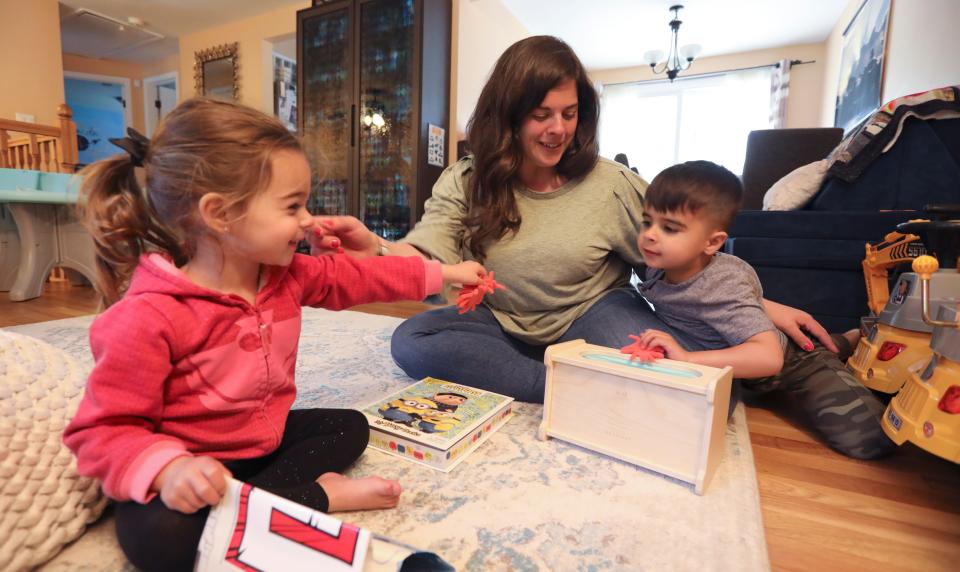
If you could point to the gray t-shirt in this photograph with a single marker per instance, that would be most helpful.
(574, 245)
(719, 307)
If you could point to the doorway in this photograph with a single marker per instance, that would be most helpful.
(100, 111)
(159, 98)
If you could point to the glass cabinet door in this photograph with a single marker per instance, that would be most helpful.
(326, 106)
(385, 115)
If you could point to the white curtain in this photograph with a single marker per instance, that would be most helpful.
(779, 92)
(658, 123)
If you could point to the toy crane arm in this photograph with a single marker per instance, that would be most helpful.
(895, 249)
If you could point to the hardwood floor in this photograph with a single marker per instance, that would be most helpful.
(822, 511)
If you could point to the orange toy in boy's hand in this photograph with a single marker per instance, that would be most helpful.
(640, 351)
(470, 296)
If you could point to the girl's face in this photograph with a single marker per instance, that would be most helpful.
(276, 219)
(549, 129)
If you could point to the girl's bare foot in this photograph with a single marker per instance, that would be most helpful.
(370, 493)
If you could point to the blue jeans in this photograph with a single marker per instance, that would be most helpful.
(473, 349)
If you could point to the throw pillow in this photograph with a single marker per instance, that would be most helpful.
(796, 189)
(44, 503)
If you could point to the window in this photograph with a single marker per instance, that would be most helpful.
(658, 123)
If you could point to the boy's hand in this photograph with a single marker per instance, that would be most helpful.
(641, 352)
(671, 349)
(467, 273)
(188, 484)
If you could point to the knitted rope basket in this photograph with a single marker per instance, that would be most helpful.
(44, 503)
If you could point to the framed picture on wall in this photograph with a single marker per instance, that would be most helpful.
(861, 64)
(285, 90)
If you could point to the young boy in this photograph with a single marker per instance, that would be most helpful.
(716, 299)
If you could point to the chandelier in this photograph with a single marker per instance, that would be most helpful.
(677, 60)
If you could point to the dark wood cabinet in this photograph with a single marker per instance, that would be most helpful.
(374, 76)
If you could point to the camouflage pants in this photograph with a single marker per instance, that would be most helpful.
(844, 412)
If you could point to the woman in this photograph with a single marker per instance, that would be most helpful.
(555, 223)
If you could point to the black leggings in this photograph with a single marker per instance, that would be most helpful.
(315, 441)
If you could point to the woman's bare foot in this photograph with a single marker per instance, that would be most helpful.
(370, 493)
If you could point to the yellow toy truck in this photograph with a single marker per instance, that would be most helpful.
(896, 340)
(926, 411)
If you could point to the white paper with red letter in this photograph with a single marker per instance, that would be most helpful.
(252, 529)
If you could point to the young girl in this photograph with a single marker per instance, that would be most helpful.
(195, 356)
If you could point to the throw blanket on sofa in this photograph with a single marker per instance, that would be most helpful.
(875, 136)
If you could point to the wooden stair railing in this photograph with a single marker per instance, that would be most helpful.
(45, 148)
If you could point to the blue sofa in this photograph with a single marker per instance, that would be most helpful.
(811, 258)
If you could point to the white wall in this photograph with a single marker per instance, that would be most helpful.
(921, 53)
(484, 29)
(923, 47)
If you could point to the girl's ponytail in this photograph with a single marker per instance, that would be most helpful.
(118, 215)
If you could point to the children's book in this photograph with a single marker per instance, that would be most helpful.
(436, 423)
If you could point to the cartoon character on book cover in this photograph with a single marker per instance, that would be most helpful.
(406, 410)
(437, 421)
(433, 406)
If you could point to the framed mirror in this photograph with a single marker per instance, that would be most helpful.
(216, 72)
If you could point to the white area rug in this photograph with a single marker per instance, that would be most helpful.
(516, 503)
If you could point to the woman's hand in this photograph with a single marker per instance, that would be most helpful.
(342, 235)
(468, 273)
(793, 322)
(188, 484)
(671, 349)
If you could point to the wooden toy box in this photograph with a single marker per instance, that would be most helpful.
(668, 416)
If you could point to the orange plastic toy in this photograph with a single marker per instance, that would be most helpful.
(471, 296)
(640, 351)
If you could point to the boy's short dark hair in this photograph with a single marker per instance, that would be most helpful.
(694, 186)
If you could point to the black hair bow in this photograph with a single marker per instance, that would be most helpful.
(135, 144)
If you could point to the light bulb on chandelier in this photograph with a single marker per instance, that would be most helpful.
(678, 59)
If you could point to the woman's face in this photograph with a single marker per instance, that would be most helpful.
(548, 130)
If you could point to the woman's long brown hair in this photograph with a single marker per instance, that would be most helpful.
(520, 80)
(202, 146)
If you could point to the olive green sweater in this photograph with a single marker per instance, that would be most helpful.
(574, 244)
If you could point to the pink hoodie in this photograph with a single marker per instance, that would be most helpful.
(184, 370)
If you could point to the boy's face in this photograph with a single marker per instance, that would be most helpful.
(681, 243)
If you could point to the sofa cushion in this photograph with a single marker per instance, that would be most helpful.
(789, 253)
(812, 260)
(836, 298)
(805, 224)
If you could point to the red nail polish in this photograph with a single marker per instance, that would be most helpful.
(808, 347)
(335, 243)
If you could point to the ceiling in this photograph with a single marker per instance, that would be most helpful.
(170, 18)
(616, 33)
(604, 33)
